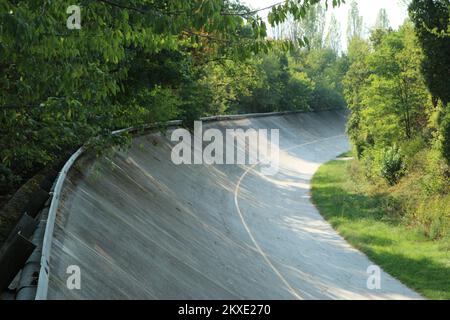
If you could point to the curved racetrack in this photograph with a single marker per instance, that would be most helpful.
(140, 227)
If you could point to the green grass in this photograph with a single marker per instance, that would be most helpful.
(402, 251)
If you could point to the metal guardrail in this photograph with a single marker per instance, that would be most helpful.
(41, 293)
(42, 287)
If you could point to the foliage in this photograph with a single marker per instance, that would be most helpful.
(278, 86)
(333, 38)
(310, 28)
(432, 219)
(399, 132)
(355, 22)
(382, 21)
(434, 173)
(354, 82)
(327, 70)
(432, 22)
(445, 133)
(428, 15)
(385, 91)
(396, 87)
(132, 62)
(298, 91)
(408, 236)
(392, 166)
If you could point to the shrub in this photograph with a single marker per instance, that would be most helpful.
(445, 133)
(392, 165)
(412, 149)
(433, 217)
(435, 178)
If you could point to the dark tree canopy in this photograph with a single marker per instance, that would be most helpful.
(430, 17)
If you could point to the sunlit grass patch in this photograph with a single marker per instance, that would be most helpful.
(371, 224)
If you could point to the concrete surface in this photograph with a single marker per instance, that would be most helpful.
(140, 227)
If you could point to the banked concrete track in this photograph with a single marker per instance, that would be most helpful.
(140, 227)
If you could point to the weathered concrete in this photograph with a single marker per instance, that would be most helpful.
(139, 226)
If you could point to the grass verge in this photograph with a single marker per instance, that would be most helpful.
(365, 222)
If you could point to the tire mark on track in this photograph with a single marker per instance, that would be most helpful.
(247, 229)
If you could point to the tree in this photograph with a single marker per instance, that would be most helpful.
(396, 89)
(428, 15)
(385, 91)
(311, 27)
(354, 82)
(382, 21)
(279, 86)
(355, 22)
(326, 69)
(298, 92)
(132, 62)
(432, 20)
(333, 38)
